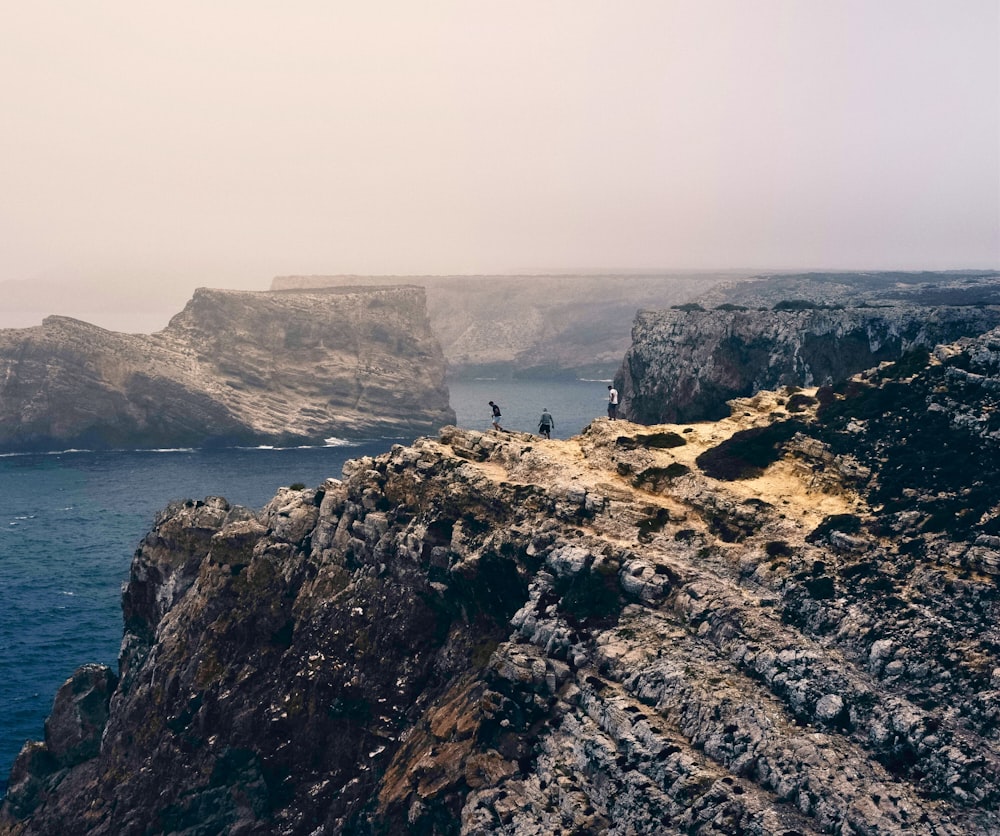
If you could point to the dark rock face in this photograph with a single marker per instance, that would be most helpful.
(781, 623)
(73, 729)
(684, 365)
(72, 737)
(232, 367)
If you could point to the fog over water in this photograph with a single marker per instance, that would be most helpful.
(149, 149)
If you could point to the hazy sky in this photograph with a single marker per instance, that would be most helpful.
(170, 145)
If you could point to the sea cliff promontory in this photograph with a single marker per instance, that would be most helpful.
(234, 367)
(783, 622)
(686, 363)
(545, 326)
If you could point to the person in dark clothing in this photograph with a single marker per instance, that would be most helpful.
(546, 423)
(496, 416)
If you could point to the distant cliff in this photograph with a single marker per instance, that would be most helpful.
(683, 365)
(550, 326)
(781, 623)
(234, 367)
(857, 287)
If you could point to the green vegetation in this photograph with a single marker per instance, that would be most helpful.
(747, 453)
(797, 403)
(650, 441)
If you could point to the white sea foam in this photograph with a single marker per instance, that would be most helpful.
(42, 453)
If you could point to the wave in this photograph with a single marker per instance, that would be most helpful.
(333, 441)
(43, 453)
(327, 442)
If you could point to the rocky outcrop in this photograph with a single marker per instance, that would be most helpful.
(685, 365)
(858, 287)
(549, 326)
(234, 367)
(781, 623)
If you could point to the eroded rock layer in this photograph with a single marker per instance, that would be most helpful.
(234, 367)
(781, 623)
(684, 365)
(560, 326)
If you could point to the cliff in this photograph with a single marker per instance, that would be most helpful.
(684, 365)
(234, 367)
(784, 622)
(547, 326)
(857, 287)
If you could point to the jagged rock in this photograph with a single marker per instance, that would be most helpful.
(517, 639)
(234, 367)
(73, 729)
(685, 365)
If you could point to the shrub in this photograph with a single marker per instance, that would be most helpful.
(796, 305)
(747, 453)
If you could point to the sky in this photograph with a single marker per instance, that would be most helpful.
(147, 149)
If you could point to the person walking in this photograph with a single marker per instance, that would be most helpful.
(546, 423)
(612, 402)
(496, 417)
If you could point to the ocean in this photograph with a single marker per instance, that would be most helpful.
(70, 522)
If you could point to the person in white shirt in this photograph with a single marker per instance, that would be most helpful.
(612, 403)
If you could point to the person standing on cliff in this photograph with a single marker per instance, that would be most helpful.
(496, 417)
(546, 423)
(612, 402)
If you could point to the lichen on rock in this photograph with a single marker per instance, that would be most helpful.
(478, 634)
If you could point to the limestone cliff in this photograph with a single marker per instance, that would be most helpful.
(684, 365)
(781, 623)
(880, 287)
(534, 326)
(233, 367)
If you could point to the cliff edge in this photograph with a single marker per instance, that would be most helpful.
(686, 364)
(234, 367)
(783, 622)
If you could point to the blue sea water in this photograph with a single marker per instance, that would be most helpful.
(71, 521)
(573, 404)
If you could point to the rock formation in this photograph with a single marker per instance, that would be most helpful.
(876, 288)
(234, 367)
(685, 364)
(784, 622)
(557, 326)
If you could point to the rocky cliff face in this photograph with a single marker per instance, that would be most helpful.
(781, 623)
(232, 367)
(886, 287)
(684, 365)
(534, 326)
